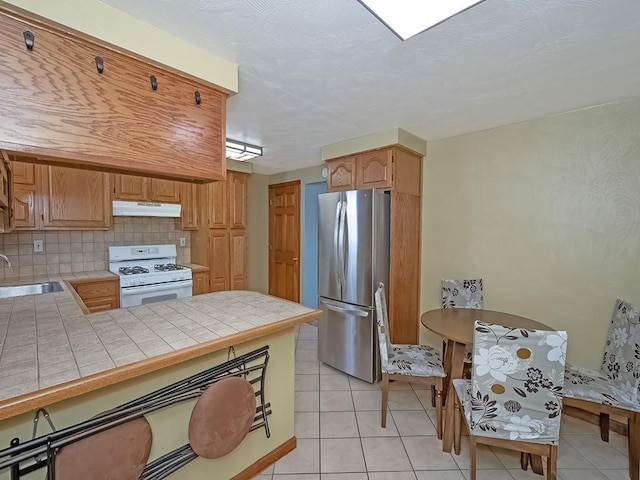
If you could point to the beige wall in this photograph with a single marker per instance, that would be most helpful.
(258, 232)
(102, 21)
(547, 212)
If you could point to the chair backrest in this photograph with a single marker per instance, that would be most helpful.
(621, 361)
(517, 382)
(462, 293)
(382, 320)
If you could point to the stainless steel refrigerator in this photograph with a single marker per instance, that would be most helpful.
(353, 256)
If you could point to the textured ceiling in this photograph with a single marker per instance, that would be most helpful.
(316, 72)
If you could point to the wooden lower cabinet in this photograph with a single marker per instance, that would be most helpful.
(200, 283)
(219, 260)
(98, 295)
(228, 260)
(238, 261)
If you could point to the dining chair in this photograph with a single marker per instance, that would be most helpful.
(460, 293)
(514, 397)
(408, 363)
(615, 389)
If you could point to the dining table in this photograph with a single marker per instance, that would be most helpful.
(455, 326)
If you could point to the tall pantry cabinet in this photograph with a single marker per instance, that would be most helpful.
(221, 241)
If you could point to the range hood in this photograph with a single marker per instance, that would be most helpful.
(145, 209)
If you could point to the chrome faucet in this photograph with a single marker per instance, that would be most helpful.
(4, 257)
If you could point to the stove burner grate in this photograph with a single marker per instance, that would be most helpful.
(132, 270)
(168, 267)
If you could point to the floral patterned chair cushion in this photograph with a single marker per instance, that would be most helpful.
(416, 360)
(516, 383)
(462, 293)
(618, 382)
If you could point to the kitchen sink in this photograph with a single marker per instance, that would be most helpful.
(32, 289)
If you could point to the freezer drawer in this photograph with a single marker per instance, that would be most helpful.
(347, 339)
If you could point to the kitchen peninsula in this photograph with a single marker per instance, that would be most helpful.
(77, 365)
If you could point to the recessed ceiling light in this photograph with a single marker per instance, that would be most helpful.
(407, 18)
(242, 151)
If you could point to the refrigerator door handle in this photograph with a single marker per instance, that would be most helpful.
(336, 242)
(342, 266)
(349, 311)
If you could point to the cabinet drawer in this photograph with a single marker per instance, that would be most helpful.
(101, 304)
(98, 289)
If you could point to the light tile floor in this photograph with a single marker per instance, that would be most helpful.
(337, 423)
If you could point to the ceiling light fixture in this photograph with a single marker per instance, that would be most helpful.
(241, 151)
(407, 18)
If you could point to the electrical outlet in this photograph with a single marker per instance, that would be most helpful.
(38, 246)
(183, 242)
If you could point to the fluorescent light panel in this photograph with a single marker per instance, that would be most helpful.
(407, 18)
(242, 151)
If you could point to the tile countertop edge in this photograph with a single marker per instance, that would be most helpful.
(14, 406)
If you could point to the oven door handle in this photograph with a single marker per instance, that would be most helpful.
(155, 288)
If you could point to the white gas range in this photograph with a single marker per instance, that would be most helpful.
(149, 273)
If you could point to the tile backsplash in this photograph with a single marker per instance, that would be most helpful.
(86, 250)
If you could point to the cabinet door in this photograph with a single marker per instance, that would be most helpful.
(375, 169)
(23, 173)
(24, 207)
(130, 188)
(5, 199)
(218, 260)
(200, 283)
(238, 260)
(98, 295)
(237, 184)
(342, 174)
(164, 191)
(218, 204)
(109, 120)
(76, 198)
(189, 219)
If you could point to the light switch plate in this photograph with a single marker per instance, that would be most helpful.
(183, 242)
(38, 246)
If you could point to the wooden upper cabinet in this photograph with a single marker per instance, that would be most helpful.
(389, 168)
(24, 207)
(130, 187)
(24, 173)
(75, 198)
(342, 174)
(140, 189)
(164, 191)
(218, 205)
(5, 169)
(237, 199)
(54, 103)
(25, 195)
(190, 213)
(374, 169)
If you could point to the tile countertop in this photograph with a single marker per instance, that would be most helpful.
(50, 350)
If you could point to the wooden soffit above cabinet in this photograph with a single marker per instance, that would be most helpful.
(56, 106)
